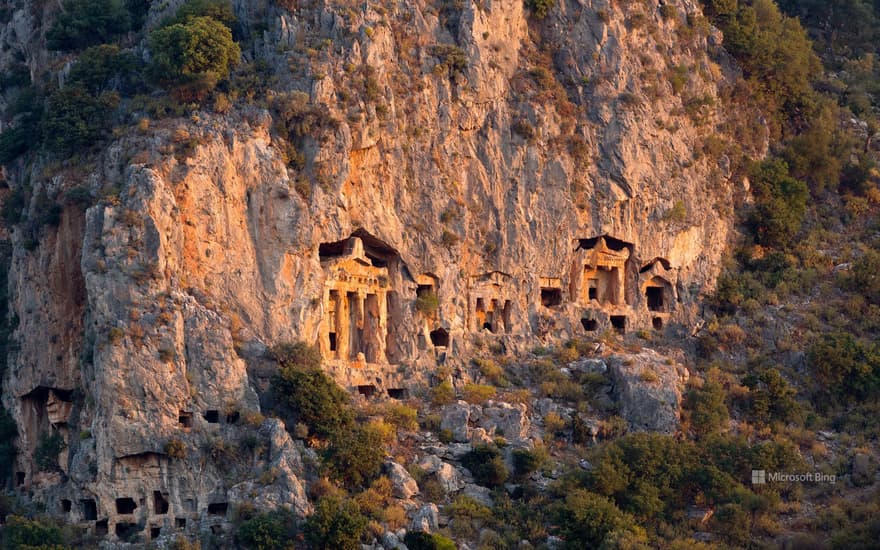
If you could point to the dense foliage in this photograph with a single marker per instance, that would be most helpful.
(191, 57)
(309, 394)
(75, 119)
(274, 530)
(22, 533)
(486, 465)
(84, 23)
(336, 524)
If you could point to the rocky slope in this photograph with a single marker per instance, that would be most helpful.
(454, 140)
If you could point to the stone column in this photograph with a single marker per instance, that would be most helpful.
(342, 328)
(371, 328)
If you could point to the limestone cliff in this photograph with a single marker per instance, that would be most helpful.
(540, 177)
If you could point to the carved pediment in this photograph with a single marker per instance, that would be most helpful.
(601, 255)
(491, 278)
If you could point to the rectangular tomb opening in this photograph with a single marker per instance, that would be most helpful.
(101, 528)
(160, 503)
(551, 297)
(126, 530)
(89, 509)
(125, 505)
(439, 338)
(618, 322)
(654, 295)
(397, 393)
(218, 508)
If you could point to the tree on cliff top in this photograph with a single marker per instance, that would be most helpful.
(190, 58)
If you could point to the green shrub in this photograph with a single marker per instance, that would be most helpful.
(678, 78)
(402, 416)
(8, 433)
(526, 461)
(864, 277)
(492, 371)
(588, 520)
(220, 10)
(780, 203)
(427, 302)
(48, 450)
(524, 129)
(336, 524)
(26, 533)
(448, 238)
(75, 120)
(23, 134)
(14, 207)
(486, 465)
(770, 397)
(652, 475)
(774, 52)
(104, 68)
(175, 448)
(844, 368)
(676, 214)
(668, 11)
(274, 530)
(540, 7)
(733, 523)
(477, 393)
(308, 393)
(296, 355)
(468, 515)
(443, 394)
(708, 409)
(420, 540)
(452, 58)
(84, 23)
(355, 456)
(191, 57)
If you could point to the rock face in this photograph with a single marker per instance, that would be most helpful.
(504, 419)
(455, 418)
(402, 484)
(542, 188)
(648, 388)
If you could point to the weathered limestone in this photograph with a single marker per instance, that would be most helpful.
(425, 518)
(648, 390)
(402, 484)
(505, 419)
(154, 302)
(454, 417)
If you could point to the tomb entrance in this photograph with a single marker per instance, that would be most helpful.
(656, 284)
(440, 338)
(600, 271)
(355, 303)
(490, 302)
(551, 291)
